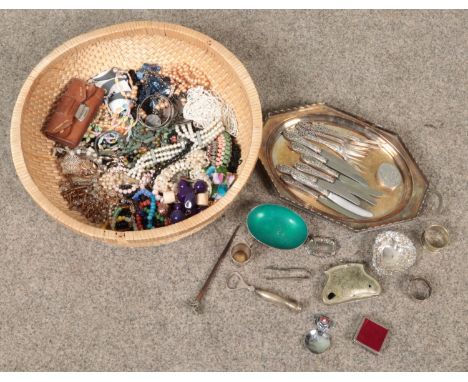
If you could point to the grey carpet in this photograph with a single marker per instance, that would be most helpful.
(68, 303)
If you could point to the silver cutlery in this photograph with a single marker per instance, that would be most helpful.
(348, 151)
(335, 174)
(327, 159)
(318, 184)
(322, 199)
(326, 132)
(358, 190)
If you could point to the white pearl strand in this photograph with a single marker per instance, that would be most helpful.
(115, 177)
(195, 162)
(205, 107)
(152, 157)
(201, 138)
(230, 120)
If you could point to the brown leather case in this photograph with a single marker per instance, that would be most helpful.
(74, 112)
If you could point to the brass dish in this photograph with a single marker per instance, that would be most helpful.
(396, 204)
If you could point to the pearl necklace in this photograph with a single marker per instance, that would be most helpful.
(117, 180)
(155, 156)
(200, 138)
(194, 162)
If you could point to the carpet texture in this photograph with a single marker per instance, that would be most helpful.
(69, 303)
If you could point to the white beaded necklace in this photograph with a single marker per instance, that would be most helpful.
(203, 108)
(194, 162)
(117, 180)
(200, 138)
(155, 156)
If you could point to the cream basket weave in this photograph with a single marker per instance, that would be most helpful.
(127, 46)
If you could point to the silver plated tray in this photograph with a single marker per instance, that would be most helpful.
(395, 204)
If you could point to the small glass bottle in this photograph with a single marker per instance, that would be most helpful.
(319, 340)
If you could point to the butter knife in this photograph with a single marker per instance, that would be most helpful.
(324, 200)
(318, 184)
(307, 159)
(345, 188)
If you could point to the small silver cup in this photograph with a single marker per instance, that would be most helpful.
(241, 253)
(435, 237)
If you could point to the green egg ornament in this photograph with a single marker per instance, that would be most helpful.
(280, 227)
(277, 226)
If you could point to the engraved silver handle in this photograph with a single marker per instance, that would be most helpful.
(333, 146)
(309, 181)
(294, 183)
(303, 150)
(338, 141)
(312, 171)
(311, 161)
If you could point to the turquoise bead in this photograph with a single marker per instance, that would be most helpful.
(277, 226)
(210, 170)
(222, 189)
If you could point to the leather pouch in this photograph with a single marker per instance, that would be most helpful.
(74, 112)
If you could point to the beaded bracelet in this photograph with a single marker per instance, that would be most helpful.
(123, 204)
(220, 150)
(139, 221)
(116, 217)
(152, 209)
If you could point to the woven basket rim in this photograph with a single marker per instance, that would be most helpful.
(160, 235)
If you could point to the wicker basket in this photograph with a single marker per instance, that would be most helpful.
(128, 46)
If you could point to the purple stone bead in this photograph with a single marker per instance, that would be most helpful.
(184, 190)
(177, 216)
(181, 197)
(178, 206)
(183, 185)
(189, 202)
(200, 186)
